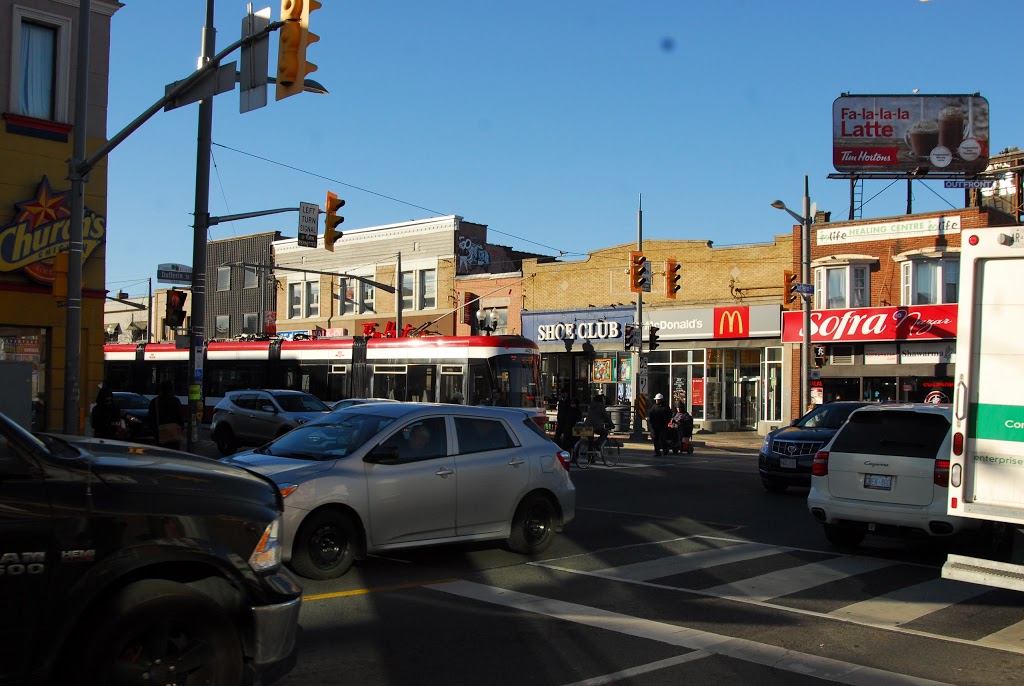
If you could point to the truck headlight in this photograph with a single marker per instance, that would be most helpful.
(267, 555)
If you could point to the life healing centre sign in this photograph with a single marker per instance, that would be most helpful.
(913, 228)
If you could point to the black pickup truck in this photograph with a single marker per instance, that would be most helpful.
(129, 564)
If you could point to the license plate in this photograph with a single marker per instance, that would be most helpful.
(879, 482)
(787, 462)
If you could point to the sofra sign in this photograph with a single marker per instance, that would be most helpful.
(41, 229)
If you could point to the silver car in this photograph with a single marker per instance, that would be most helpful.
(384, 476)
(256, 416)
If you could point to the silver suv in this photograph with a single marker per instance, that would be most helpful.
(255, 417)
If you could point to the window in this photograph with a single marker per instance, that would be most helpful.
(406, 285)
(312, 298)
(250, 322)
(251, 278)
(420, 440)
(930, 281)
(347, 296)
(223, 326)
(428, 289)
(223, 278)
(41, 64)
(366, 297)
(294, 300)
(478, 435)
(842, 286)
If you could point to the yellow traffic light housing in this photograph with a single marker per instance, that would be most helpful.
(293, 40)
(672, 278)
(637, 273)
(331, 207)
(790, 298)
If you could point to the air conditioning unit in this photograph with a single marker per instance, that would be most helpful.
(841, 355)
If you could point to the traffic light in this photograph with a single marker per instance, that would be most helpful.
(331, 207)
(637, 273)
(652, 338)
(174, 315)
(819, 356)
(672, 278)
(790, 298)
(629, 337)
(292, 42)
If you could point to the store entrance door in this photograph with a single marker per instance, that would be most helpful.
(748, 401)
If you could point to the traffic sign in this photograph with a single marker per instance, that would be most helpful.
(309, 223)
(804, 288)
(174, 273)
(641, 383)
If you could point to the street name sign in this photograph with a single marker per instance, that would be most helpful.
(309, 223)
(804, 288)
(174, 273)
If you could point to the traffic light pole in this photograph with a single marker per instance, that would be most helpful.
(637, 410)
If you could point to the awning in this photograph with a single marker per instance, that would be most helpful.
(113, 328)
(141, 326)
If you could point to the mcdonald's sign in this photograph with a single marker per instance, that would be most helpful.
(732, 322)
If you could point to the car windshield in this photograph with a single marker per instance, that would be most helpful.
(295, 402)
(336, 435)
(827, 416)
(131, 401)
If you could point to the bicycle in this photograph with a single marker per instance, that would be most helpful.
(586, 451)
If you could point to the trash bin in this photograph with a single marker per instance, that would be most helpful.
(621, 417)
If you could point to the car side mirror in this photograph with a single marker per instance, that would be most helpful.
(269, 408)
(382, 454)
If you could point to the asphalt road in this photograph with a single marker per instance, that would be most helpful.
(675, 570)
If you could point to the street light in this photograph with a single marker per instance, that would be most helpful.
(805, 277)
(487, 321)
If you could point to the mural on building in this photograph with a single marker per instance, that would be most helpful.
(41, 229)
(476, 256)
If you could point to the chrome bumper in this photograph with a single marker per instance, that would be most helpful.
(275, 628)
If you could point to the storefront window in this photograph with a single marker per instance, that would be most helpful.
(29, 346)
(878, 389)
(771, 384)
(713, 391)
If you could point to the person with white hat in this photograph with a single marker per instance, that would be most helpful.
(658, 419)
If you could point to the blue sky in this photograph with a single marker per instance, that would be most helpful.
(544, 120)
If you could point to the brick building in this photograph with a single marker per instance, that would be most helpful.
(719, 346)
(884, 310)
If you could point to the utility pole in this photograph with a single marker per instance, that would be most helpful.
(150, 319)
(398, 296)
(638, 355)
(197, 339)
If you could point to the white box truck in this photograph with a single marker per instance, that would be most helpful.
(986, 478)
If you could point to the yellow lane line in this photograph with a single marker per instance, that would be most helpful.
(364, 591)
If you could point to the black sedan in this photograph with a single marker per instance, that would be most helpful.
(135, 408)
(787, 454)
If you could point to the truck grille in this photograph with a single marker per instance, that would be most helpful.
(796, 448)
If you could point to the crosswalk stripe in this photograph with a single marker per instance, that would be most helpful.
(907, 604)
(1011, 637)
(688, 562)
(786, 581)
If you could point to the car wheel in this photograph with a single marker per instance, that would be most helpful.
(773, 486)
(843, 537)
(225, 439)
(158, 632)
(325, 546)
(533, 526)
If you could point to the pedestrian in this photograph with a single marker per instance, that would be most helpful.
(682, 424)
(568, 415)
(657, 422)
(167, 417)
(106, 418)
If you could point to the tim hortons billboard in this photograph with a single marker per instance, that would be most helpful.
(906, 133)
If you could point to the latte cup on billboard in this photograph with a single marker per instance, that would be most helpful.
(922, 137)
(952, 127)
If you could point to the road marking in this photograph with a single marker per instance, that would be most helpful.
(684, 637)
(1011, 637)
(907, 604)
(688, 562)
(786, 581)
(642, 669)
(379, 589)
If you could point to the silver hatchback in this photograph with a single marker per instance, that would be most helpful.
(256, 416)
(384, 476)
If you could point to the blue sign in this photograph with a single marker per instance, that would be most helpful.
(804, 288)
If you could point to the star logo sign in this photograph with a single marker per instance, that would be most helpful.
(47, 206)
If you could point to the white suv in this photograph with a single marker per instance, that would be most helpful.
(886, 472)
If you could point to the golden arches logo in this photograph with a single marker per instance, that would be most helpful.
(733, 317)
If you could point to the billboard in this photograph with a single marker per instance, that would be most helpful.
(906, 133)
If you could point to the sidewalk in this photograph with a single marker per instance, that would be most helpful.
(737, 441)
